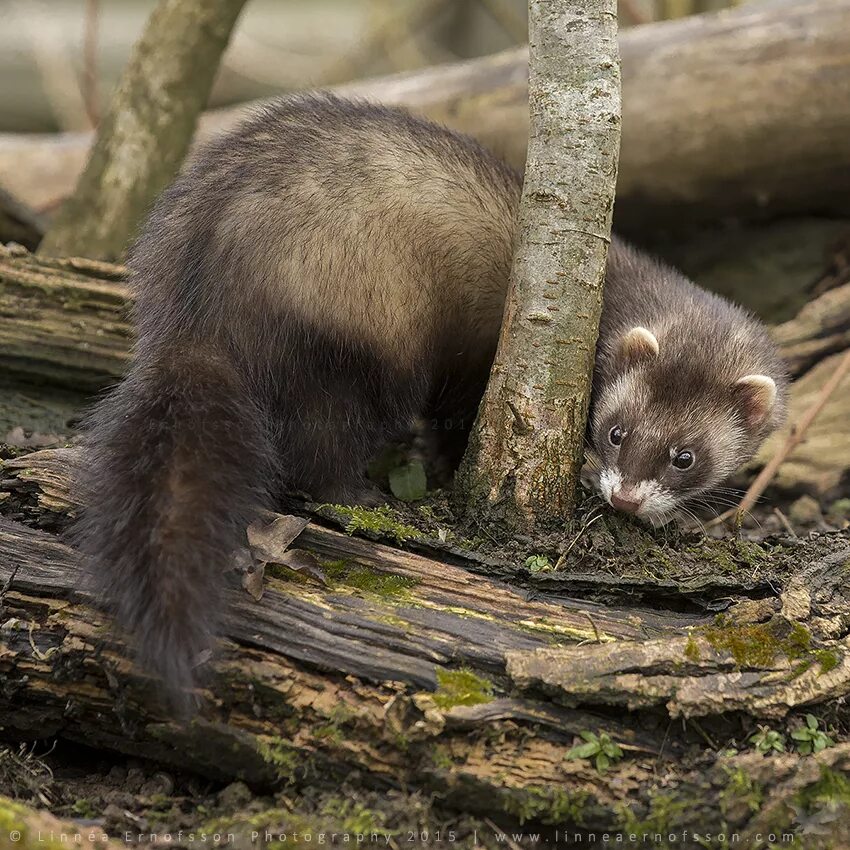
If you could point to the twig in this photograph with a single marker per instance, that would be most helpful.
(90, 89)
(791, 442)
(785, 522)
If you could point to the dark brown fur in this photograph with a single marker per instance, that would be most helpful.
(310, 284)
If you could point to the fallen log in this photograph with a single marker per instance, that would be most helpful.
(724, 114)
(410, 670)
(62, 322)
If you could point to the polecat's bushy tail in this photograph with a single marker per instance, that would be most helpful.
(175, 465)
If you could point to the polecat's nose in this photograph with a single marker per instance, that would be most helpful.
(621, 503)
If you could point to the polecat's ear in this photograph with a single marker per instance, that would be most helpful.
(756, 396)
(636, 345)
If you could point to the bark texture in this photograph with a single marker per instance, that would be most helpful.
(527, 444)
(389, 667)
(729, 114)
(143, 138)
(62, 322)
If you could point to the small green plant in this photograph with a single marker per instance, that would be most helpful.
(461, 687)
(601, 748)
(810, 738)
(767, 741)
(538, 563)
(408, 482)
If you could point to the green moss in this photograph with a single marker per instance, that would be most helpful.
(362, 578)
(740, 788)
(729, 557)
(274, 819)
(280, 755)
(801, 667)
(758, 645)
(284, 573)
(382, 584)
(441, 758)
(381, 521)
(750, 553)
(828, 659)
(328, 732)
(13, 818)
(692, 649)
(666, 813)
(83, 808)
(461, 687)
(831, 790)
(551, 806)
(355, 818)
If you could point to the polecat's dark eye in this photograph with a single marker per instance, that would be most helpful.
(683, 459)
(615, 435)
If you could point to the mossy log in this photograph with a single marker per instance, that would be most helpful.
(62, 322)
(25, 828)
(724, 114)
(401, 668)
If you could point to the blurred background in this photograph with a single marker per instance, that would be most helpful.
(59, 59)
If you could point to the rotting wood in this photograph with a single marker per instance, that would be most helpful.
(414, 671)
(62, 322)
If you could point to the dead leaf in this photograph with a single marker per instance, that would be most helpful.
(270, 540)
(304, 562)
(252, 581)
(251, 572)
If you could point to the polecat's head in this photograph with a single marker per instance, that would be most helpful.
(669, 426)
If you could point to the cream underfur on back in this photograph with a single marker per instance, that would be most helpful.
(398, 267)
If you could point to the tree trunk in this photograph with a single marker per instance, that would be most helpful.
(142, 140)
(386, 666)
(527, 444)
(729, 114)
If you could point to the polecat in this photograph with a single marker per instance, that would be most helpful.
(315, 280)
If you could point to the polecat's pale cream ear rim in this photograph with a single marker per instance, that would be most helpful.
(758, 394)
(637, 344)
